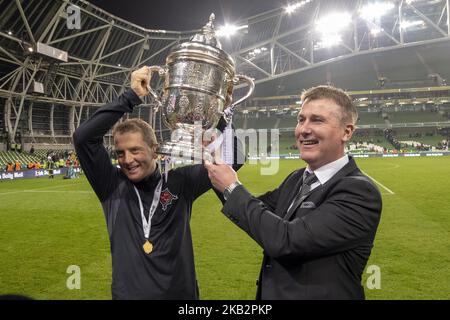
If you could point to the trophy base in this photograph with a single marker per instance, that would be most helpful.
(185, 145)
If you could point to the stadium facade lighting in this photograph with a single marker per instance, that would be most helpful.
(410, 24)
(294, 6)
(228, 30)
(10, 33)
(374, 11)
(30, 49)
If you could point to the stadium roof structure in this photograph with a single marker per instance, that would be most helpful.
(48, 56)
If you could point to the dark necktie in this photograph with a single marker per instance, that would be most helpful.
(308, 180)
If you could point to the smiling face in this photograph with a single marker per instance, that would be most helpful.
(136, 158)
(321, 132)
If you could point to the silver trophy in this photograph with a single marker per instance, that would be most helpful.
(199, 79)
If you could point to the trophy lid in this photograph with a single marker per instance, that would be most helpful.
(203, 47)
(208, 34)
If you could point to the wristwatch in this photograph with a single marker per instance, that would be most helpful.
(228, 190)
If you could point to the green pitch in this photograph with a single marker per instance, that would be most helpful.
(48, 225)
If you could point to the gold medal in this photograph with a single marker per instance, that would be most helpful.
(148, 247)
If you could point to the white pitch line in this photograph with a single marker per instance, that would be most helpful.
(384, 187)
(41, 188)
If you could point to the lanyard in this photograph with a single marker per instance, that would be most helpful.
(146, 225)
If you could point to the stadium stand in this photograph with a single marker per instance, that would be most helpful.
(415, 116)
(23, 158)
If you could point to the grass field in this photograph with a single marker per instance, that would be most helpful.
(48, 225)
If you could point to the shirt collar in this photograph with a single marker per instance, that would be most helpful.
(149, 182)
(326, 172)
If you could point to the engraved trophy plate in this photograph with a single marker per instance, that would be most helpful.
(198, 87)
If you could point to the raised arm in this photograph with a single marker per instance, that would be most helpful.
(88, 138)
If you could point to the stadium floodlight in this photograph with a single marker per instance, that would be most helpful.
(328, 41)
(228, 30)
(410, 1)
(329, 26)
(294, 6)
(375, 31)
(374, 11)
(333, 23)
(10, 33)
(409, 24)
(257, 51)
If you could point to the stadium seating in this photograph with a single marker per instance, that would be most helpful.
(23, 158)
(415, 116)
(365, 118)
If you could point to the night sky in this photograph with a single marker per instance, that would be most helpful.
(179, 15)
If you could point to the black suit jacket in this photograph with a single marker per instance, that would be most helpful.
(321, 249)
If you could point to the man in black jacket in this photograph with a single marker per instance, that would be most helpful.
(147, 216)
(317, 228)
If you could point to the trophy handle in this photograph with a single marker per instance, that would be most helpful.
(161, 72)
(228, 113)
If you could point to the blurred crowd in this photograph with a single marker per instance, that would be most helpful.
(52, 160)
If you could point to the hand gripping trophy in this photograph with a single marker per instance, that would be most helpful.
(198, 85)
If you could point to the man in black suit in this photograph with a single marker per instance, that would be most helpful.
(318, 227)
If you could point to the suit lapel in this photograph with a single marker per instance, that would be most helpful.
(292, 190)
(345, 171)
(292, 211)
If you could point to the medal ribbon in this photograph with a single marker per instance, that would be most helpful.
(146, 225)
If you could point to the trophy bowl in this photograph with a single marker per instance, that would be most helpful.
(199, 78)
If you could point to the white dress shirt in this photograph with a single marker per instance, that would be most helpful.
(326, 172)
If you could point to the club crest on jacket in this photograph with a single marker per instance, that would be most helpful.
(166, 198)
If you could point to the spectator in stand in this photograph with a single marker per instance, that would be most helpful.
(9, 167)
(32, 149)
(17, 166)
(30, 165)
